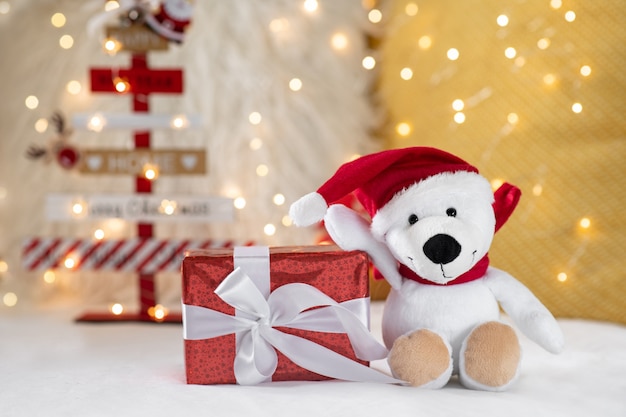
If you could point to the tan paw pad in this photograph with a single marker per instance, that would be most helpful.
(419, 358)
(492, 354)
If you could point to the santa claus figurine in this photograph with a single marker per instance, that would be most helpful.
(171, 19)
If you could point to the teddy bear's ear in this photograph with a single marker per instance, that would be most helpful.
(505, 200)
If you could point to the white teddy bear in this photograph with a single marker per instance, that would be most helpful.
(433, 218)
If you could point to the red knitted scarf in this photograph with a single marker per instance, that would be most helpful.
(476, 272)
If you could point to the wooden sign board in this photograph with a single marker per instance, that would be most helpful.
(135, 162)
(137, 121)
(140, 80)
(139, 207)
(137, 38)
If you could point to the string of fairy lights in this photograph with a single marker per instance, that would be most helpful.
(339, 42)
(459, 112)
(519, 58)
(458, 105)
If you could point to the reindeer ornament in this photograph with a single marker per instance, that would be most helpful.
(58, 147)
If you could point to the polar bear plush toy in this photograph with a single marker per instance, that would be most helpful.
(433, 218)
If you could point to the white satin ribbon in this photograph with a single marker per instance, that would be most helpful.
(288, 306)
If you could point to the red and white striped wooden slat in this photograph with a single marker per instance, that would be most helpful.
(142, 255)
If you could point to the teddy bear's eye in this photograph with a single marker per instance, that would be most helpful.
(413, 219)
(451, 212)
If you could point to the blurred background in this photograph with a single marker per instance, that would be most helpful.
(277, 94)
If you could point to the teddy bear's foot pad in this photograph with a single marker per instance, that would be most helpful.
(421, 358)
(491, 357)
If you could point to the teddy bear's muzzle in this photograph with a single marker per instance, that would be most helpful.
(442, 249)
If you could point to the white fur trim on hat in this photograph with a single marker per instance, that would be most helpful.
(471, 185)
(308, 210)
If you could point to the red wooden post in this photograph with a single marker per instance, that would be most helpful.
(147, 297)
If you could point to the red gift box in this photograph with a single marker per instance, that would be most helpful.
(341, 275)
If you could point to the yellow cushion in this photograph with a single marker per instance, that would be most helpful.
(522, 125)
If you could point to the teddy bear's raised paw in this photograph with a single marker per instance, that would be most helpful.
(490, 357)
(421, 358)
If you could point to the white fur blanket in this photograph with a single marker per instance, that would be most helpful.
(51, 366)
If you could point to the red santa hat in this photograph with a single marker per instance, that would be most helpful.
(377, 177)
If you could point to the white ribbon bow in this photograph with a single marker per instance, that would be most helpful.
(256, 359)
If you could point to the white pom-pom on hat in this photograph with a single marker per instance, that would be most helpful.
(309, 209)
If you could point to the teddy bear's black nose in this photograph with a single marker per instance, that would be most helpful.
(442, 249)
